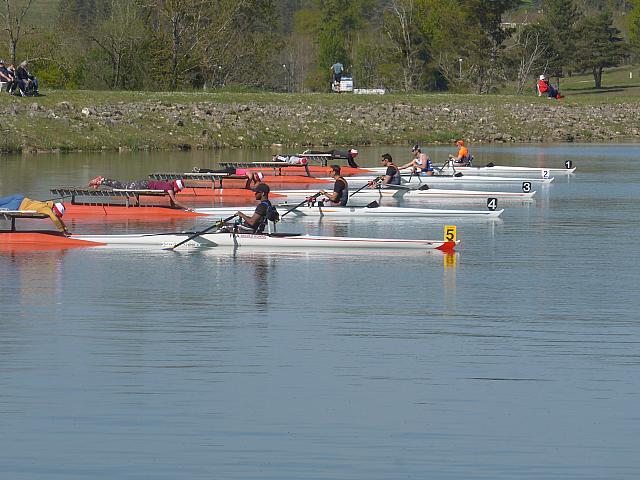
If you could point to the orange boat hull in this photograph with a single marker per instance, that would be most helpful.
(39, 240)
(205, 190)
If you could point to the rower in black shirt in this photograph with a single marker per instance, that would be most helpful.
(257, 221)
(340, 194)
(392, 175)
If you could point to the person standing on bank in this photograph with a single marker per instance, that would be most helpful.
(340, 194)
(337, 69)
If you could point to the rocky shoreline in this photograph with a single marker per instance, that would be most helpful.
(33, 125)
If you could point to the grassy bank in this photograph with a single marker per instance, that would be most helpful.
(92, 121)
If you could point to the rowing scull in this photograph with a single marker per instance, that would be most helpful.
(357, 212)
(285, 240)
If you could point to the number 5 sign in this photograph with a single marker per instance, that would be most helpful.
(450, 233)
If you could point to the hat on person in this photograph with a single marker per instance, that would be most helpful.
(460, 143)
(353, 152)
(541, 77)
(58, 209)
(416, 148)
(262, 188)
(178, 185)
(1, 62)
(388, 157)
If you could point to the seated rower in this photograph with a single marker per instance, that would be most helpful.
(462, 159)
(340, 194)
(54, 211)
(171, 188)
(264, 211)
(392, 174)
(421, 162)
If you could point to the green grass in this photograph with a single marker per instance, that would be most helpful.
(615, 83)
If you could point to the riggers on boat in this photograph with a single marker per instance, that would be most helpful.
(195, 180)
(451, 180)
(372, 211)
(463, 194)
(493, 170)
(283, 240)
(282, 168)
(125, 203)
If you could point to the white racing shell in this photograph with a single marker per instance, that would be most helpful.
(355, 212)
(292, 241)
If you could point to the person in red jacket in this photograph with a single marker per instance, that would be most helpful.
(545, 87)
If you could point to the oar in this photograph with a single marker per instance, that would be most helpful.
(365, 185)
(306, 200)
(201, 232)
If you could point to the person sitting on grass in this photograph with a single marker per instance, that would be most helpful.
(545, 87)
(7, 76)
(27, 83)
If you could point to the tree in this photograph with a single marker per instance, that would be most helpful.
(12, 17)
(119, 37)
(337, 21)
(599, 45)
(180, 26)
(530, 53)
(560, 20)
(633, 20)
(486, 36)
(406, 39)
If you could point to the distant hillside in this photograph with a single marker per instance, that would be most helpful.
(43, 12)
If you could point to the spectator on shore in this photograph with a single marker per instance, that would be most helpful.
(545, 87)
(337, 69)
(7, 76)
(27, 83)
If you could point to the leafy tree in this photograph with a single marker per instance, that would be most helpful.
(633, 20)
(339, 19)
(529, 54)
(12, 21)
(486, 37)
(406, 39)
(599, 45)
(120, 36)
(559, 21)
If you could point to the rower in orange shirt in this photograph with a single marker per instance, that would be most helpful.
(462, 159)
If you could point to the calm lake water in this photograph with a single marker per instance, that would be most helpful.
(517, 358)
